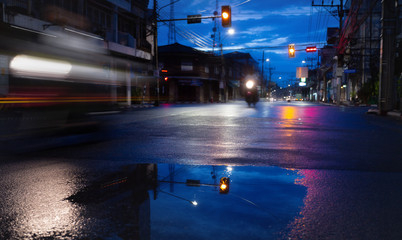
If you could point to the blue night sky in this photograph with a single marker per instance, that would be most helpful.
(266, 25)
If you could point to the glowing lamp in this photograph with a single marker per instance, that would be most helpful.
(249, 84)
(224, 185)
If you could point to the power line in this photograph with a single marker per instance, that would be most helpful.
(275, 47)
(191, 36)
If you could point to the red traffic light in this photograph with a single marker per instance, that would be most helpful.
(226, 15)
(311, 49)
(166, 79)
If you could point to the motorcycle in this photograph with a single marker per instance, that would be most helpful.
(251, 93)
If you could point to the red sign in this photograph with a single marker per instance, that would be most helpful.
(311, 49)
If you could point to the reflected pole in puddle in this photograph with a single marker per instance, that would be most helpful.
(195, 203)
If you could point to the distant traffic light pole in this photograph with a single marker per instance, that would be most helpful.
(224, 184)
(226, 16)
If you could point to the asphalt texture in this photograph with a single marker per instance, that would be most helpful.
(298, 171)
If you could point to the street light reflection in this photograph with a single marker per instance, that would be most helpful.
(41, 203)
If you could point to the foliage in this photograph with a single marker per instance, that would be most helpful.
(368, 93)
(399, 85)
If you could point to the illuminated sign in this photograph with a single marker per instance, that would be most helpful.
(302, 72)
(311, 49)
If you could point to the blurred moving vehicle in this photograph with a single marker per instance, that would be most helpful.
(251, 93)
(55, 78)
(298, 97)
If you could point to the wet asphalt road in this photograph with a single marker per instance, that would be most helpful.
(300, 171)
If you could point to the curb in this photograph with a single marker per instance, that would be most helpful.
(394, 114)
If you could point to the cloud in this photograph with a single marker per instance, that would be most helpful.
(257, 30)
(248, 15)
(244, 15)
(260, 43)
(260, 40)
(264, 42)
(279, 41)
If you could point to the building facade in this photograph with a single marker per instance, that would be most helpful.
(362, 62)
(121, 28)
(190, 75)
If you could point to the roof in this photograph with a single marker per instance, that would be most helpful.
(240, 56)
(179, 48)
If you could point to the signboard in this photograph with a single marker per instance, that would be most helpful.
(302, 72)
(190, 82)
(350, 71)
(339, 72)
(194, 18)
(311, 49)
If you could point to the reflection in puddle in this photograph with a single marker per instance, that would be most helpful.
(149, 201)
(260, 203)
(48, 200)
(34, 206)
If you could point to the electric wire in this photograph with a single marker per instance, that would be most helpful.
(189, 35)
(309, 24)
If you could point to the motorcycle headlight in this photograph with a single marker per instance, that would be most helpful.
(249, 84)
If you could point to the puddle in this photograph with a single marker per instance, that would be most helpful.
(261, 202)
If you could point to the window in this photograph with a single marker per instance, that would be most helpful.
(186, 66)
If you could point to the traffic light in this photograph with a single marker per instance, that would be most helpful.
(226, 16)
(291, 50)
(163, 75)
(224, 185)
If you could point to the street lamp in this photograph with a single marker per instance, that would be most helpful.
(269, 76)
(231, 31)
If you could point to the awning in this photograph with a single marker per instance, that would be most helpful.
(234, 83)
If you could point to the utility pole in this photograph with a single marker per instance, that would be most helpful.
(223, 84)
(262, 77)
(264, 83)
(387, 56)
(214, 29)
(269, 77)
(340, 57)
(155, 28)
(172, 25)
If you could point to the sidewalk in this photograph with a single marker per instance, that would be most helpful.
(394, 113)
(374, 110)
